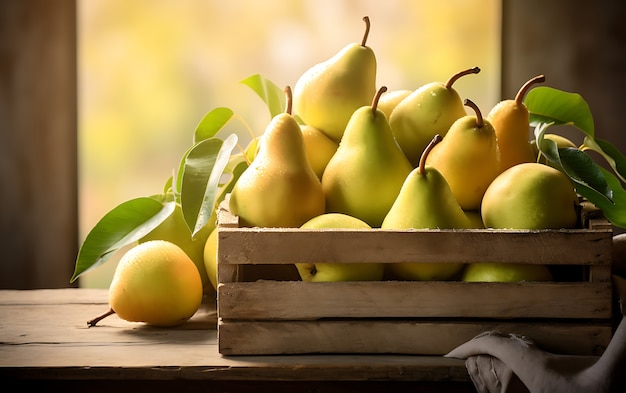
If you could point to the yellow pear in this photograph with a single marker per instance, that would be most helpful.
(326, 95)
(530, 196)
(324, 271)
(319, 148)
(428, 111)
(279, 188)
(366, 173)
(155, 282)
(510, 119)
(425, 201)
(468, 158)
(390, 99)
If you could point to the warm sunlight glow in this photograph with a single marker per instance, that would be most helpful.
(150, 70)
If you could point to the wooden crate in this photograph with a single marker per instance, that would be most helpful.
(270, 311)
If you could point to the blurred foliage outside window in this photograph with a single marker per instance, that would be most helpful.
(150, 69)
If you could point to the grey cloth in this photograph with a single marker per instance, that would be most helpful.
(499, 363)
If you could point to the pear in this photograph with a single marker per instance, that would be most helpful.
(429, 110)
(391, 99)
(468, 158)
(155, 283)
(425, 201)
(510, 120)
(279, 188)
(366, 173)
(325, 271)
(530, 196)
(326, 95)
(319, 148)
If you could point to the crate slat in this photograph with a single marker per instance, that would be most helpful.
(286, 245)
(292, 300)
(399, 337)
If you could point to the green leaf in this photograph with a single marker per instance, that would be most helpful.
(125, 224)
(611, 154)
(577, 165)
(272, 95)
(550, 105)
(202, 169)
(614, 210)
(211, 123)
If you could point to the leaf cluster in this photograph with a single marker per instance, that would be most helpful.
(207, 171)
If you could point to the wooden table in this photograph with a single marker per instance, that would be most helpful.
(46, 343)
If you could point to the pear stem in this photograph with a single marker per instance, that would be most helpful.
(288, 96)
(422, 166)
(479, 117)
(453, 78)
(524, 89)
(94, 321)
(366, 19)
(377, 98)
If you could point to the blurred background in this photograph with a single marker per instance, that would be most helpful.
(149, 71)
(99, 98)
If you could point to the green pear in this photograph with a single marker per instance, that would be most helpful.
(468, 158)
(279, 188)
(530, 196)
(425, 201)
(333, 272)
(505, 272)
(510, 119)
(366, 173)
(429, 110)
(326, 95)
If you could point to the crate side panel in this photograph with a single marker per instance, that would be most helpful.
(397, 337)
(283, 246)
(396, 299)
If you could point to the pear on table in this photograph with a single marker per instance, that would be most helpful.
(366, 173)
(468, 158)
(279, 188)
(510, 119)
(425, 202)
(426, 112)
(326, 95)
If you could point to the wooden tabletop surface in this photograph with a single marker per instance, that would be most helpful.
(44, 337)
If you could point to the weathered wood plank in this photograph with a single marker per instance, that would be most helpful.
(43, 335)
(397, 336)
(292, 300)
(289, 245)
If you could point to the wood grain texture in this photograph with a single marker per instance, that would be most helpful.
(38, 123)
(44, 336)
(293, 300)
(398, 336)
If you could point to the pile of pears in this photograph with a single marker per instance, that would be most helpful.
(405, 159)
(347, 153)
